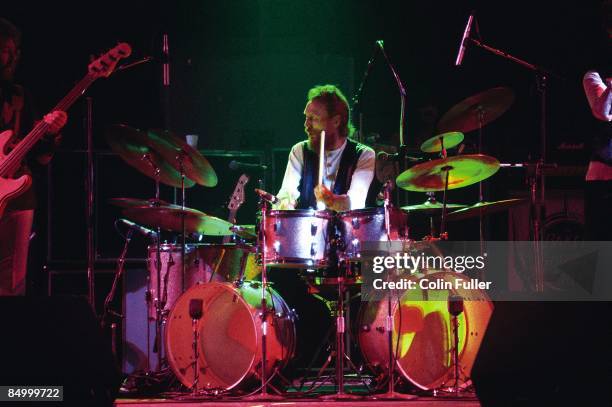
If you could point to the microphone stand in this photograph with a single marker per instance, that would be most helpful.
(359, 94)
(537, 199)
(403, 149)
(89, 182)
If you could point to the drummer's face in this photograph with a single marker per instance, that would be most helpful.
(316, 119)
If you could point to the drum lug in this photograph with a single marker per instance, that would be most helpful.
(277, 225)
(313, 250)
(313, 229)
(355, 222)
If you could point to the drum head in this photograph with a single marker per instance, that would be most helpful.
(425, 333)
(227, 342)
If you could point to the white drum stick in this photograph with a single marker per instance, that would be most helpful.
(321, 157)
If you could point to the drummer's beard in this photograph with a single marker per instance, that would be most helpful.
(314, 139)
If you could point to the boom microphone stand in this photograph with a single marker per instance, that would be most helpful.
(537, 199)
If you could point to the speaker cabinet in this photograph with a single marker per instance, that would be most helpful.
(545, 353)
(56, 341)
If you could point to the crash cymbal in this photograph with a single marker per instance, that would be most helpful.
(134, 148)
(430, 206)
(434, 144)
(463, 170)
(132, 202)
(486, 208)
(170, 218)
(170, 147)
(464, 116)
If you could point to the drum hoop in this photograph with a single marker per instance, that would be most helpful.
(231, 288)
(300, 213)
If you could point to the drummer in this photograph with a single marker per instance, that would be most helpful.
(349, 165)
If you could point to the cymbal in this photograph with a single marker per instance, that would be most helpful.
(170, 218)
(170, 147)
(463, 170)
(434, 144)
(244, 231)
(132, 202)
(464, 116)
(486, 208)
(133, 147)
(430, 206)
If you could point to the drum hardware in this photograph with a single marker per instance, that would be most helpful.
(455, 308)
(391, 394)
(196, 308)
(263, 312)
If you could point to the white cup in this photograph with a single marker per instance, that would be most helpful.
(192, 140)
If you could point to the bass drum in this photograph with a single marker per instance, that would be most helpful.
(229, 335)
(423, 327)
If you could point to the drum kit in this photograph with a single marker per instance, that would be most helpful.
(224, 327)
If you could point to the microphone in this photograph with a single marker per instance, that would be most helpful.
(455, 305)
(266, 196)
(239, 166)
(383, 156)
(140, 229)
(466, 35)
(385, 192)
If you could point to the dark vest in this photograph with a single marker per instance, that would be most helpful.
(310, 173)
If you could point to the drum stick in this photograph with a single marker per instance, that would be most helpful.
(321, 157)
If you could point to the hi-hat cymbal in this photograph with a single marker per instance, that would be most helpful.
(430, 207)
(245, 231)
(486, 208)
(132, 202)
(434, 144)
(463, 170)
(170, 218)
(176, 152)
(134, 148)
(477, 110)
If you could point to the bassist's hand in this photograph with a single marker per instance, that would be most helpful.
(56, 120)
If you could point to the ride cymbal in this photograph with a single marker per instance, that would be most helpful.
(177, 152)
(478, 110)
(134, 148)
(463, 170)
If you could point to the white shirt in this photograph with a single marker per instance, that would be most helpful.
(599, 95)
(360, 182)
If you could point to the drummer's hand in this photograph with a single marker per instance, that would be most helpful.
(284, 205)
(323, 194)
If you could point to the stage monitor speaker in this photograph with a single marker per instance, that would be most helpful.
(545, 353)
(56, 341)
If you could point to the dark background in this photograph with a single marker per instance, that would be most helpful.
(241, 70)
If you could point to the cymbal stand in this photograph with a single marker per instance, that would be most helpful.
(261, 244)
(391, 394)
(443, 234)
(159, 302)
(180, 158)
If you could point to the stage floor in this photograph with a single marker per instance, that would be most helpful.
(417, 402)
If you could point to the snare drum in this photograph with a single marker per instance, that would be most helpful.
(298, 238)
(368, 225)
(229, 336)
